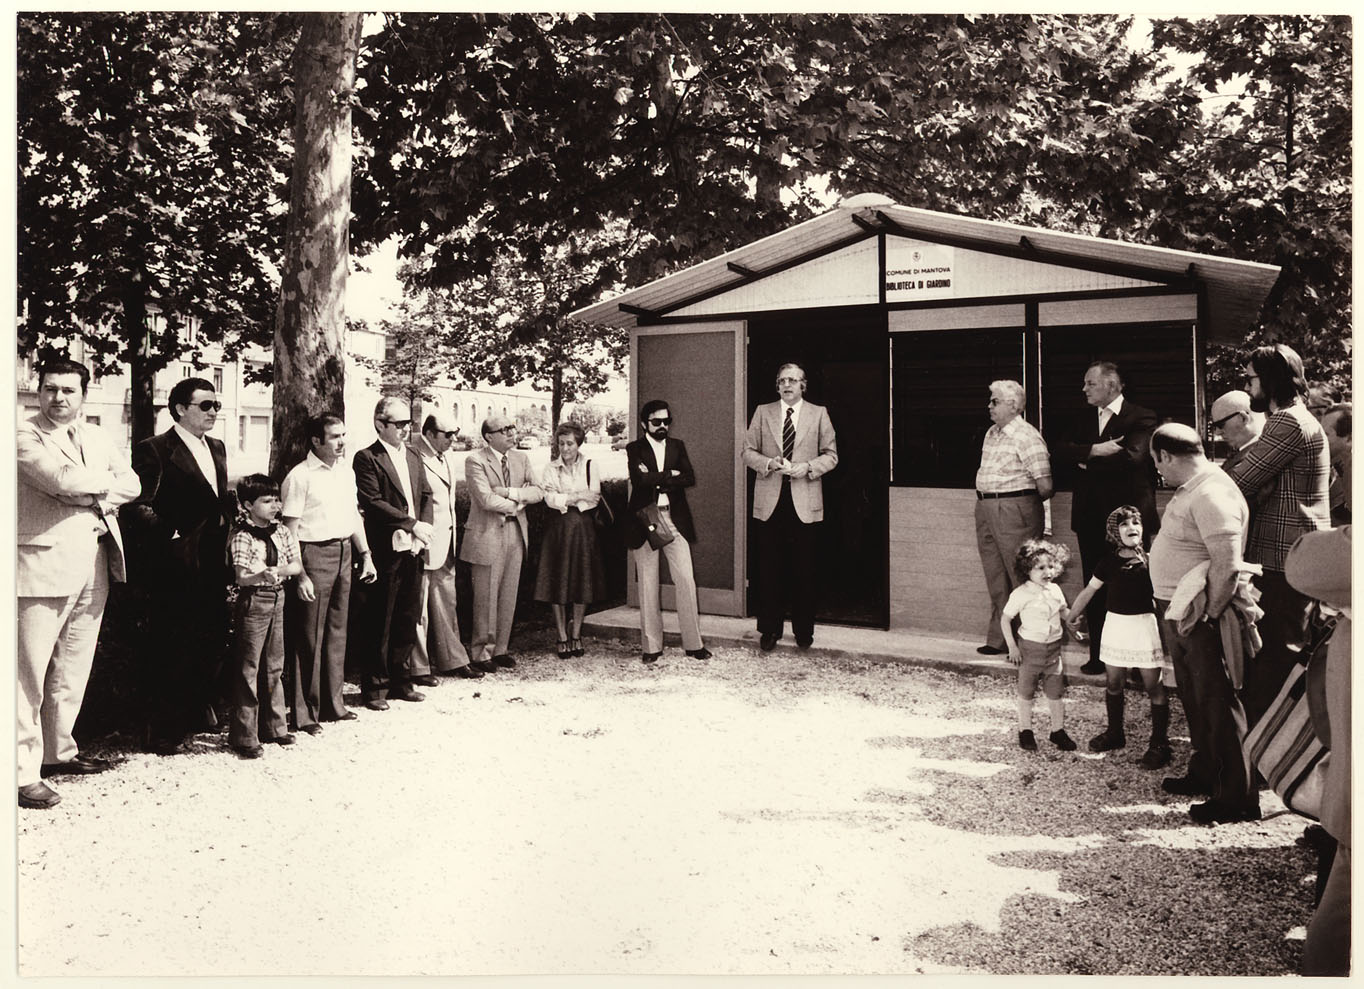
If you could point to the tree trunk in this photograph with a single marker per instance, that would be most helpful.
(556, 398)
(310, 322)
(142, 366)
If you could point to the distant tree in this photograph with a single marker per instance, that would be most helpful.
(150, 157)
(616, 422)
(532, 420)
(422, 345)
(592, 418)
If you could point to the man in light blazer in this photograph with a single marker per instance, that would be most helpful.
(395, 502)
(181, 520)
(790, 446)
(71, 482)
(495, 537)
(438, 646)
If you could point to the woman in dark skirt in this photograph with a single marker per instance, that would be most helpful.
(570, 564)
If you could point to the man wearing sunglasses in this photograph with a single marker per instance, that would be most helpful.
(181, 523)
(790, 445)
(395, 502)
(1239, 424)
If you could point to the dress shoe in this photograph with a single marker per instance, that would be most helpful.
(504, 660)
(378, 704)
(991, 651)
(1220, 812)
(1026, 740)
(804, 642)
(577, 649)
(702, 653)
(249, 751)
(467, 673)
(409, 695)
(38, 796)
(767, 641)
(650, 657)
(288, 738)
(1185, 786)
(1094, 667)
(168, 746)
(1061, 740)
(426, 680)
(79, 766)
(313, 729)
(344, 716)
(486, 665)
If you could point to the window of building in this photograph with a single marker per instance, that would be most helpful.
(216, 376)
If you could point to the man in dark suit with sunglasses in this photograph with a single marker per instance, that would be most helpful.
(181, 520)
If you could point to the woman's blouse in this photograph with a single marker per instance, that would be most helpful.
(557, 478)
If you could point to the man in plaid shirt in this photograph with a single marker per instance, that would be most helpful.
(1291, 461)
(1013, 480)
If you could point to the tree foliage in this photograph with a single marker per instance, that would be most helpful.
(150, 171)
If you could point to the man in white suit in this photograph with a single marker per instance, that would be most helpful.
(438, 647)
(790, 446)
(71, 482)
(495, 537)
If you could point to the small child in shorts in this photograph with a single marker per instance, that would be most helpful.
(1040, 607)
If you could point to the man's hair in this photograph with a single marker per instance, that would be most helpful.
(64, 365)
(182, 390)
(1034, 551)
(792, 365)
(1279, 369)
(652, 406)
(254, 486)
(318, 425)
(1109, 370)
(382, 406)
(1176, 442)
(1342, 425)
(1011, 390)
(430, 424)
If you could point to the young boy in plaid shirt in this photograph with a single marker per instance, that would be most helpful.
(262, 554)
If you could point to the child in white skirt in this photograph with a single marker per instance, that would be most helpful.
(1040, 607)
(1131, 638)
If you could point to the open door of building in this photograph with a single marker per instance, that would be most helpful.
(844, 356)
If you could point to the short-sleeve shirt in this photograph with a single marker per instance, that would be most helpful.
(245, 550)
(322, 498)
(1204, 509)
(1038, 608)
(1013, 458)
(1127, 583)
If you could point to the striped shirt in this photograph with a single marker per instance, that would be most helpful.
(1290, 459)
(1013, 458)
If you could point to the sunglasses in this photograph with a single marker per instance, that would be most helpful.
(400, 423)
(665, 421)
(449, 434)
(1219, 423)
(209, 405)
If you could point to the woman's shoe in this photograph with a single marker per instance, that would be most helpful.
(577, 646)
(564, 651)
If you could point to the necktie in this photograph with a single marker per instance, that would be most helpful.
(506, 473)
(788, 436)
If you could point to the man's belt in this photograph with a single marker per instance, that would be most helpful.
(323, 542)
(509, 518)
(980, 495)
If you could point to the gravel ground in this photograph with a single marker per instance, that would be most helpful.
(753, 814)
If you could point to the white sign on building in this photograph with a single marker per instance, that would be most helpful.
(916, 270)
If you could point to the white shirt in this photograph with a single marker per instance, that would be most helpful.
(1109, 411)
(198, 449)
(322, 498)
(557, 478)
(660, 452)
(795, 413)
(398, 454)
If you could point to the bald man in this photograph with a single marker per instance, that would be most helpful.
(495, 538)
(1239, 424)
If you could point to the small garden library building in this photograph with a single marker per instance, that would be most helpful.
(901, 318)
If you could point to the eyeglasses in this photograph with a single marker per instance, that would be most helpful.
(449, 434)
(789, 381)
(400, 423)
(664, 421)
(504, 429)
(209, 405)
(1219, 423)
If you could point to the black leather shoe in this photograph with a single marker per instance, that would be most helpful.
(79, 766)
(1027, 740)
(406, 695)
(378, 704)
(1219, 812)
(650, 657)
(344, 716)
(1094, 668)
(249, 751)
(467, 673)
(288, 738)
(38, 796)
(313, 729)
(991, 651)
(504, 660)
(804, 643)
(767, 641)
(1061, 740)
(702, 653)
(426, 680)
(1185, 786)
(486, 665)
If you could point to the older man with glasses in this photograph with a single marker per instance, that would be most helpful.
(395, 502)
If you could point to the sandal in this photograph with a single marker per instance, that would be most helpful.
(577, 646)
(564, 651)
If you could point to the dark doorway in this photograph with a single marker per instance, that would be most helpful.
(844, 353)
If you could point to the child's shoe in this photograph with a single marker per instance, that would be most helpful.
(1062, 741)
(1156, 756)
(1026, 740)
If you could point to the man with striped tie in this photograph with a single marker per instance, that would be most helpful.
(790, 445)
